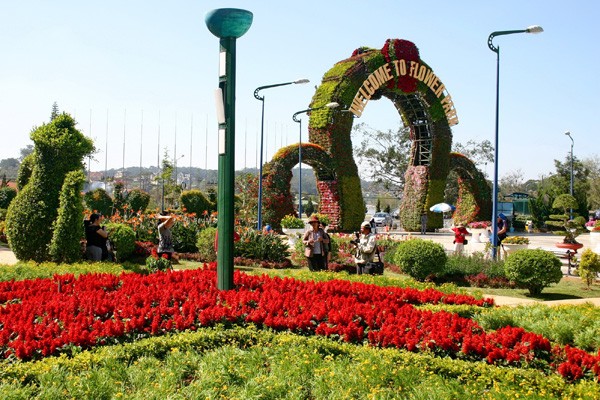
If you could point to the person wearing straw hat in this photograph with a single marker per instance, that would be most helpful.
(314, 245)
(365, 247)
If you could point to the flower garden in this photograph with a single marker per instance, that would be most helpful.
(48, 319)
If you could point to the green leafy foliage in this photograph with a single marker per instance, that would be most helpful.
(206, 244)
(185, 237)
(68, 227)
(7, 194)
(291, 222)
(59, 149)
(194, 201)
(158, 263)
(533, 269)
(123, 239)
(98, 200)
(420, 258)
(137, 200)
(589, 266)
(261, 246)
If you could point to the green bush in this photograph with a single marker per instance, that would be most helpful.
(137, 200)
(99, 201)
(59, 149)
(3, 212)
(194, 201)
(533, 269)
(261, 246)
(185, 237)
(123, 239)
(589, 266)
(206, 244)
(7, 194)
(68, 227)
(292, 222)
(420, 258)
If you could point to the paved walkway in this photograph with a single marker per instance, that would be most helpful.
(7, 257)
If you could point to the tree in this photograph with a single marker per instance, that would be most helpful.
(383, 156)
(55, 112)
(512, 182)
(25, 151)
(194, 201)
(309, 208)
(378, 206)
(593, 195)
(137, 200)
(480, 153)
(99, 201)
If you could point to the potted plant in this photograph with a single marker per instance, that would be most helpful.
(568, 228)
(292, 226)
(514, 243)
(476, 228)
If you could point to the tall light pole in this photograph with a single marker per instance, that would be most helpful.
(531, 29)
(571, 187)
(299, 121)
(262, 126)
(227, 24)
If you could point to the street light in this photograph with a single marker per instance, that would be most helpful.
(531, 29)
(227, 24)
(328, 105)
(571, 187)
(262, 125)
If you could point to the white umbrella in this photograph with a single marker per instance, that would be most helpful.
(442, 207)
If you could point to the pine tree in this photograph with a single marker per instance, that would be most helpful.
(55, 112)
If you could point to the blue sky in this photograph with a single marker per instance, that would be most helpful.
(108, 62)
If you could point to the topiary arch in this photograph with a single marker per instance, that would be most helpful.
(474, 194)
(277, 174)
(397, 73)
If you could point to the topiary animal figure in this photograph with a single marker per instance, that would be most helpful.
(533, 269)
(59, 148)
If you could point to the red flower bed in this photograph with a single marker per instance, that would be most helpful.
(47, 316)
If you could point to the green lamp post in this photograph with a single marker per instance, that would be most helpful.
(227, 24)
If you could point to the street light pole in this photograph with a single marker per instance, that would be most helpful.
(571, 186)
(299, 121)
(227, 24)
(531, 29)
(262, 126)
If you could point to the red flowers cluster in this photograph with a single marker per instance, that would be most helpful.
(43, 317)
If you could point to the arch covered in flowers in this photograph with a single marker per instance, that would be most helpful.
(474, 194)
(277, 175)
(397, 73)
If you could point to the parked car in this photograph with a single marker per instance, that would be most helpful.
(383, 219)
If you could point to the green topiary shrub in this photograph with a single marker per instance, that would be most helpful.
(122, 238)
(589, 266)
(261, 246)
(137, 200)
(7, 194)
(194, 201)
(206, 244)
(533, 269)
(99, 201)
(59, 149)
(68, 228)
(420, 258)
